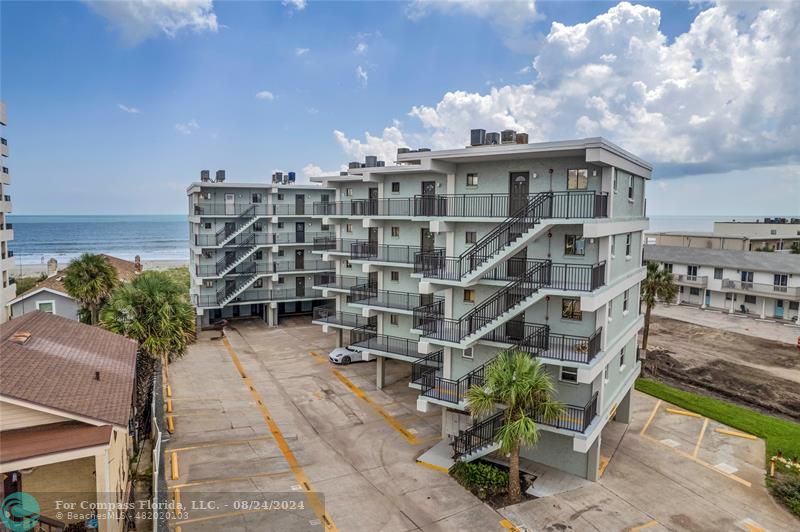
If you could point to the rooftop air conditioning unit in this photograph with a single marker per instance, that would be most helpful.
(492, 138)
(371, 161)
(205, 176)
(424, 149)
(343, 173)
(291, 177)
(401, 151)
(354, 164)
(477, 137)
(508, 136)
(220, 176)
(381, 164)
(522, 138)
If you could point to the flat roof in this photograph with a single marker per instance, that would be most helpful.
(42, 440)
(762, 261)
(254, 184)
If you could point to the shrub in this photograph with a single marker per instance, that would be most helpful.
(481, 477)
(787, 489)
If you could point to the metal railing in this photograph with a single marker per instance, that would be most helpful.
(690, 279)
(368, 339)
(216, 208)
(425, 366)
(288, 266)
(761, 288)
(338, 245)
(341, 282)
(370, 251)
(344, 319)
(255, 295)
(262, 239)
(368, 295)
(231, 258)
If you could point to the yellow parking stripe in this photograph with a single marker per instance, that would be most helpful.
(358, 392)
(222, 443)
(650, 419)
(700, 439)
(682, 412)
(313, 499)
(736, 433)
(642, 527)
(433, 466)
(217, 480)
(508, 525)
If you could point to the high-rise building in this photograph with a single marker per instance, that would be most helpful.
(9, 289)
(449, 257)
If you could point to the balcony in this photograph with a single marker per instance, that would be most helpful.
(365, 339)
(344, 320)
(390, 254)
(775, 291)
(389, 300)
(306, 266)
(337, 282)
(690, 280)
(337, 246)
(261, 239)
(255, 295)
(216, 208)
(539, 341)
(262, 268)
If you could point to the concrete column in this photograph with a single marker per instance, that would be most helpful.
(593, 461)
(340, 338)
(678, 296)
(381, 372)
(733, 303)
(763, 307)
(623, 414)
(272, 317)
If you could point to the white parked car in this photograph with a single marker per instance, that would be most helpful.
(344, 355)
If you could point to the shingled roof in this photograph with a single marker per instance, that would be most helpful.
(53, 362)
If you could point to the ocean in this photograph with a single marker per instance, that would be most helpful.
(165, 237)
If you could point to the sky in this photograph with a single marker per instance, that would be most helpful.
(115, 107)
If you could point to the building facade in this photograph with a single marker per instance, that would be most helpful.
(450, 257)
(761, 284)
(8, 290)
(250, 249)
(775, 234)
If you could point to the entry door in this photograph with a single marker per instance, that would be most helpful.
(230, 204)
(372, 204)
(300, 232)
(372, 238)
(300, 286)
(428, 200)
(518, 189)
(372, 280)
(299, 259)
(708, 297)
(299, 204)
(779, 308)
(517, 264)
(426, 240)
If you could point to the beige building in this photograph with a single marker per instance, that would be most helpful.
(7, 288)
(65, 405)
(777, 234)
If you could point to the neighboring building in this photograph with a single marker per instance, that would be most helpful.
(754, 282)
(8, 290)
(777, 234)
(49, 295)
(66, 401)
(250, 248)
(452, 256)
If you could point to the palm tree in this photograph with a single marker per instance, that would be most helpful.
(522, 385)
(657, 285)
(90, 279)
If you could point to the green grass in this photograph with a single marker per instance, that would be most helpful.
(779, 434)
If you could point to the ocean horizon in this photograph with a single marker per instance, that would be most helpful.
(37, 238)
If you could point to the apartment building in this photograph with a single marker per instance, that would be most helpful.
(761, 284)
(8, 290)
(776, 234)
(250, 248)
(449, 257)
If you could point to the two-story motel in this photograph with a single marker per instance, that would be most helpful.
(449, 257)
(250, 248)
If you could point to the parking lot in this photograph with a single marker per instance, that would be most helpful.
(263, 416)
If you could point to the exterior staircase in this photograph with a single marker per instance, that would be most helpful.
(245, 220)
(226, 295)
(246, 248)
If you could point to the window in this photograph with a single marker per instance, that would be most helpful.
(691, 270)
(610, 309)
(394, 319)
(348, 192)
(395, 231)
(256, 197)
(259, 255)
(622, 358)
(395, 276)
(630, 187)
(613, 246)
(794, 305)
(207, 225)
(280, 196)
(773, 231)
(750, 300)
(46, 306)
(467, 353)
(324, 227)
(280, 280)
(616, 188)
(747, 277)
(571, 309)
(577, 179)
(668, 267)
(207, 195)
(280, 253)
(280, 225)
(625, 301)
(470, 237)
(717, 273)
(628, 245)
(257, 227)
(324, 198)
(469, 295)
(472, 180)
(574, 245)
(395, 187)
(208, 283)
(348, 228)
(258, 283)
(569, 374)
(605, 374)
(694, 291)
(347, 264)
(780, 280)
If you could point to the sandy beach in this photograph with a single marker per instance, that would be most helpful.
(32, 270)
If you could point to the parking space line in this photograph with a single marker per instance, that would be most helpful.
(643, 526)
(736, 433)
(229, 479)
(650, 419)
(358, 392)
(313, 499)
(682, 412)
(508, 525)
(604, 461)
(222, 443)
(435, 467)
(700, 438)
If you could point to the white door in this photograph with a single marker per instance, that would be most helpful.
(229, 204)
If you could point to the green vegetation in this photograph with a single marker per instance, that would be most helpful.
(26, 283)
(795, 248)
(780, 434)
(521, 383)
(787, 488)
(90, 279)
(657, 285)
(180, 275)
(482, 478)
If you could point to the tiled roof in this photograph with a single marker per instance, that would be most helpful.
(761, 261)
(126, 271)
(49, 439)
(56, 366)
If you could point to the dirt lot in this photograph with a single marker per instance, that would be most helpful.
(752, 371)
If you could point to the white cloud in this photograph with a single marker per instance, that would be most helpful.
(721, 96)
(362, 75)
(188, 127)
(265, 95)
(312, 170)
(299, 5)
(511, 18)
(131, 110)
(361, 48)
(138, 20)
(384, 147)
(301, 51)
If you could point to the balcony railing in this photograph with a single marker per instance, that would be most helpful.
(369, 251)
(367, 295)
(341, 282)
(307, 265)
(772, 290)
(682, 278)
(538, 340)
(262, 239)
(366, 339)
(216, 208)
(335, 245)
(343, 319)
(263, 268)
(261, 295)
